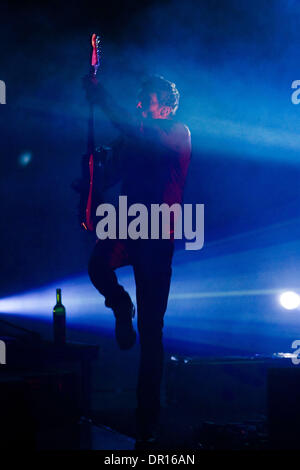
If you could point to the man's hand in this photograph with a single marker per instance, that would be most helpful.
(90, 85)
(97, 94)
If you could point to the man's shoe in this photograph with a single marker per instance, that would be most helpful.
(147, 429)
(124, 331)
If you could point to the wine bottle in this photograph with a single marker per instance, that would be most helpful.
(59, 320)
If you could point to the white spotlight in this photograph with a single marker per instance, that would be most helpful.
(290, 300)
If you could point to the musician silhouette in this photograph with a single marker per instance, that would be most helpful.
(151, 159)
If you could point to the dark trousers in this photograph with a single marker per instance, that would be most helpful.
(151, 261)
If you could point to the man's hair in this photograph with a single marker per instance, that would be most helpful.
(166, 91)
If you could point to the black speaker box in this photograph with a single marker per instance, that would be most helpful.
(220, 389)
(35, 406)
(284, 407)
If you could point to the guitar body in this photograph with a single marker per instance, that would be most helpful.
(90, 189)
(87, 197)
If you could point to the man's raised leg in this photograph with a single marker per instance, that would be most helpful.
(107, 256)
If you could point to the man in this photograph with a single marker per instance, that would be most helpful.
(152, 161)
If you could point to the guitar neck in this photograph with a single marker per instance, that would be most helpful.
(95, 64)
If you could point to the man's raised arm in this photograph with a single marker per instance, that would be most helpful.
(118, 116)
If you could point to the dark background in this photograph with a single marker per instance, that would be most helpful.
(233, 62)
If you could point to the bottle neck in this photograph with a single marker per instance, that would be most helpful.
(58, 296)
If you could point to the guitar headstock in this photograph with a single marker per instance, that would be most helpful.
(95, 63)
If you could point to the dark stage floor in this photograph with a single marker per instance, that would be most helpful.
(211, 398)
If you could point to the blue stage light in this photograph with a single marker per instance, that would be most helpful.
(25, 158)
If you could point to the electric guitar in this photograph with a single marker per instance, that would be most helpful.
(90, 161)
